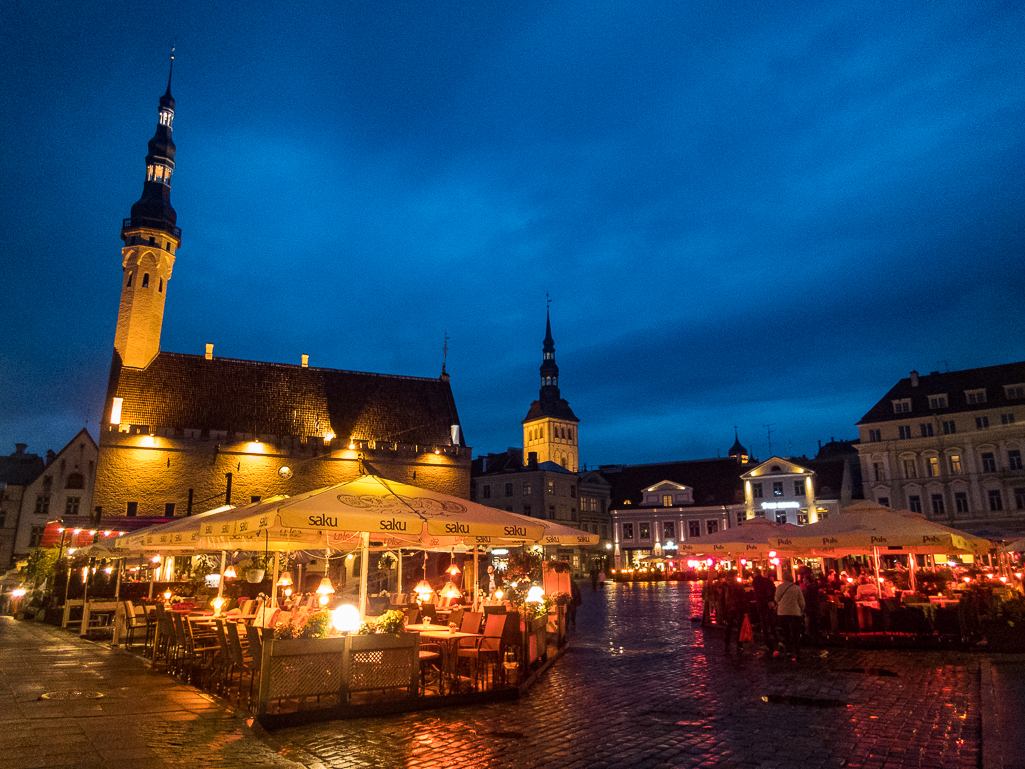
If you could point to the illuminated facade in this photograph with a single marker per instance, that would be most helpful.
(183, 433)
(784, 492)
(657, 506)
(949, 445)
(550, 427)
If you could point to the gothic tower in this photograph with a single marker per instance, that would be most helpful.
(550, 427)
(151, 239)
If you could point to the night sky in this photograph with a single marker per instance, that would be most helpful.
(744, 215)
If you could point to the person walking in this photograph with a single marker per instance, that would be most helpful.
(790, 613)
(594, 579)
(601, 580)
(735, 609)
(765, 592)
(574, 601)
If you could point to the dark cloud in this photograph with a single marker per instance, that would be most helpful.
(746, 215)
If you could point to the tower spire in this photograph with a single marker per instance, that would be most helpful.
(151, 239)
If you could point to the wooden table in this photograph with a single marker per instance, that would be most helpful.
(449, 642)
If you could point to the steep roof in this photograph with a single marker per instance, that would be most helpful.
(191, 392)
(715, 481)
(953, 384)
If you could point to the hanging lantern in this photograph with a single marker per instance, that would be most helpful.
(229, 573)
(450, 591)
(453, 570)
(285, 580)
(423, 590)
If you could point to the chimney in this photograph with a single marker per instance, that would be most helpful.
(306, 361)
(209, 351)
(19, 448)
(50, 456)
(914, 379)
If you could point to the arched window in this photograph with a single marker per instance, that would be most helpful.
(160, 288)
(541, 433)
(129, 283)
(145, 280)
(75, 481)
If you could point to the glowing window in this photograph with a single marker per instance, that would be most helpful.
(115, 411)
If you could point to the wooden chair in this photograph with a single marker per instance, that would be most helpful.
(486, 650)
(456, 617)
(412, 615)
(428, 612)
(239, 659)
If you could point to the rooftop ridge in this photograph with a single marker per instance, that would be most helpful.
(273, 364)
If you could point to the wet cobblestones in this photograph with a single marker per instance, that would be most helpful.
(644, 686)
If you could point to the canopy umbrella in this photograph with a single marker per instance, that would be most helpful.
(552, 533)
(751, 539)
(866, 527)
(179, 534)
(369, 510)
(1018, 546)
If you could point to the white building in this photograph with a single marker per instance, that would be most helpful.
(950, 445)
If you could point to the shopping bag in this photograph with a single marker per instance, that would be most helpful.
(746, 634)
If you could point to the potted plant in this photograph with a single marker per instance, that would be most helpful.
(257, 569)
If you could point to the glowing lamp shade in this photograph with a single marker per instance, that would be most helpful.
(345, 619)
(499, 594)
(450, 591)
(229, 573)
(325, 587)
(167, 595)
(217, 603)
(155, 559)
(323, 599)
(453, 570)
(536, 594)
(423, 589)
(285, 580)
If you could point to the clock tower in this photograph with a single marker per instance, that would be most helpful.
(151, 240)
(550, 427)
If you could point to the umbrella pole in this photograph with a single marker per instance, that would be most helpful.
(117, 585)
(476, 581)
(875, 566)
(220, 582)
(398, 584)
(152, 579)
(364, 571)
(274, 582)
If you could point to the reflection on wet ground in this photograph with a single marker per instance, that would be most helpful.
(643, 685)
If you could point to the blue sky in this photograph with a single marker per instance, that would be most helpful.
(744, 215)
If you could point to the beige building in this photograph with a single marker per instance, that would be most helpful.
(182, 433)
(548, 491)
(949, 445)
(17, 471)
(63, 488)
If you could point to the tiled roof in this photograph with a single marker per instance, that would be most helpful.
(953, 384)
(190, 392)
(715, 481)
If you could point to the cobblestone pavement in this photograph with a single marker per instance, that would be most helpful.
(643, 686)
(143, 719)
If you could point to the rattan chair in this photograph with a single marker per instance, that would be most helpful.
(486, 650)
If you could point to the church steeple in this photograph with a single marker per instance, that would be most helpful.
(151, 238)
(550, 427)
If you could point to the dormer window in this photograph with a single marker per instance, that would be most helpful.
(1015, 392)
(902, 406)
(938, 401)
(975, 396)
